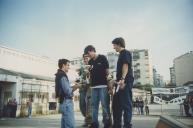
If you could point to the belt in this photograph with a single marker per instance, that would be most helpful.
(70, 98)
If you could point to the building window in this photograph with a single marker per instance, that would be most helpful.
(52, 105)
(137, 74)
(136, 56)
(146, 53)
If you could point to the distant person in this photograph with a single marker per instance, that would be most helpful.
(186, 107)
(65, 93)
(29, 105)
(137, 106)
(133, 109)
(13, 108)
(191, 104)
(99, 92)
(146, 110)
(9, 108)
(146, 107)
(122, 99)
(141, 105)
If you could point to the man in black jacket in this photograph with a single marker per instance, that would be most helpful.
(65, 93)
(122, 99)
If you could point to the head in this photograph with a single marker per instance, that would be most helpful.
(90, 51)
(64, 64)
(85, 58)
(118, 44)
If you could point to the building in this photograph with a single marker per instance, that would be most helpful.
(77, 61)
(24, 76)
(172, 76)
(183, 66)
(141, 67)
(154, 77)
(158, 80)
(112, 58)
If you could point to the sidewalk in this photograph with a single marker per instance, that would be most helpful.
(174, 111)
(185, 120)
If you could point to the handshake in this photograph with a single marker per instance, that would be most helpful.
(75, 86)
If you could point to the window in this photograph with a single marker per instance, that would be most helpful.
(136, 56)
(52, 105)
(146, 53)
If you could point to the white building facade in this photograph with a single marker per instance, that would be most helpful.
(142, 70)
(172, 76)
(25, 76)
(183, 66)
(112, 59)
(141, 67)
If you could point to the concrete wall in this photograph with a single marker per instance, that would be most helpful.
(184, 68)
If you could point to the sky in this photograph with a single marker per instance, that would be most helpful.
(63, 28)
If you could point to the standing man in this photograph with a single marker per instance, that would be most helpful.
(65, 93)
(85, 91)
(122, 99)
(82, 91)
(99, 92)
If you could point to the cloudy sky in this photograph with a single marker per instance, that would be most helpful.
(62, 28)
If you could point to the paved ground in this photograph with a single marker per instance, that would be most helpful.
(185, 120)
(53, 121)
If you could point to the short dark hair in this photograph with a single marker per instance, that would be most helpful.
(61, 62)
(119, 41)
(89, 48)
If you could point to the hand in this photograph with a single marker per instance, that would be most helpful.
(75, 87)
(110, 91)
(122, 84)
(111, 84)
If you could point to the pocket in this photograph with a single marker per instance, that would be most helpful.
(61, 108)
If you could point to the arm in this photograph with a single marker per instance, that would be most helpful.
(125, 70)
(124, 73)
(107, 73)
(66, 86)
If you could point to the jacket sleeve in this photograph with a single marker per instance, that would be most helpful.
(66, 87)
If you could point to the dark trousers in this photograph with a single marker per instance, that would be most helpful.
(82, 102)
(122, 106)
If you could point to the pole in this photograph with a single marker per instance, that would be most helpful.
(161, 103)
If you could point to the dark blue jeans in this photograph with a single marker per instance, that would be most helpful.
(67, 110)
(122, 103)
(97, 95)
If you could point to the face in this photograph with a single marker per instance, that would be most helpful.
(86, 59)
(116, 47)
(66, 67)
(91, 54)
